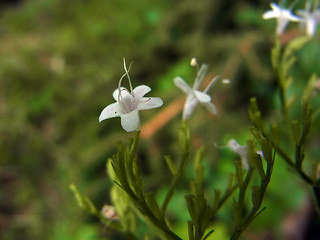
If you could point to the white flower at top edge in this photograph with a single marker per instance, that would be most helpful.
(129, 103)
(310, 20)
(282, 15)
(194, 96)
(242, 151)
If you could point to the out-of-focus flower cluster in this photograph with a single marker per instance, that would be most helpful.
(308, 17)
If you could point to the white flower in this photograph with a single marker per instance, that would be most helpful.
(310, 20)
(194, 96)
(129, 103)
(242, 151)
(283, 17)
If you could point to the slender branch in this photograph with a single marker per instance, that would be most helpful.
(174, 182)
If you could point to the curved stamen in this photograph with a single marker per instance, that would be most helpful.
(127, 73)
(211, 84)
(119, 86)
(120, 81)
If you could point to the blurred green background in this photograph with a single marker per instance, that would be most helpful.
(59, 64)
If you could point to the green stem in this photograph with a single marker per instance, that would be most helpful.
(160, 224)
(174, 182)
(289, 161)
(255, 209)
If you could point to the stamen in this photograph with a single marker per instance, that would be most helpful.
(226, 81)
(194, 63)
(211, 84)
(120, 81)
(119, 85)
(127, 73)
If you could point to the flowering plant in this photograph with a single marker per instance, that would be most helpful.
(253, 168)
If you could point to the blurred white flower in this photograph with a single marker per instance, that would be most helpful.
(129, 103)
(242, 151)
(194, 96)
(310, 19)
(282, 15)
(110, 213)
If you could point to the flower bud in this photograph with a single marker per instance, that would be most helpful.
(110, 213)
(193, 62)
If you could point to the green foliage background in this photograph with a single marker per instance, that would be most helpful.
(59, 64)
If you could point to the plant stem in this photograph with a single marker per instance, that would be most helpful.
(174, 182)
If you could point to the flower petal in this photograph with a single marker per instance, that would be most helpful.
(288, 15)
(242, 151)
(124, 92)
(110, 111)
(141, 90)
(270, 14)
(211, 108)
(189, 106)
(130, 121)
(202, 97)
(281, 25)
(311, 26)
(180, 83)
(234, 146)
(275, 7)
(127, 102)
(149, 103)
(200, 76)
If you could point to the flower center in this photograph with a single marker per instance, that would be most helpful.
(127, 101)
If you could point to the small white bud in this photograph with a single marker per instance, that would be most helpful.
(109, 212)
(193, 62)
(226, 81)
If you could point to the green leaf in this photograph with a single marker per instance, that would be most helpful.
(152, 204)
(191, 230)
(252, 152)
(84, 202)
(191, 207)
(208, 234)
(309, 88)
(291, 101)
(259, 166)
(256, 197)
(275, 134)
(296, 130)
(236, 213)
(239, 172)
(198, 167)
(110, 170)
(170, 164)
(216, 201)
(184, 137)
